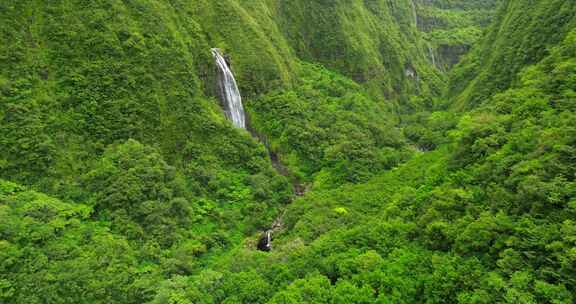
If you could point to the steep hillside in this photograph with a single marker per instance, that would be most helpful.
(452, 27)
(523, 34)
(373, 42)
(121, 181)
(488, 217)
(86, 85)
(109, 106)
(77, 77)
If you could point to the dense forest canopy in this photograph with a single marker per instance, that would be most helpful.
(396, 151)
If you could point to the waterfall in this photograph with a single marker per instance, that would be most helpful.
(415, 13)
(265, 242)
(432, 56)
(228, 91)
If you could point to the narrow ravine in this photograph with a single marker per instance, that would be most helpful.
(231, 101)
(299, 189)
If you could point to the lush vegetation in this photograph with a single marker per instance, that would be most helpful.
(327, 130)
(122, 182)
(521, 35)
(451, 27)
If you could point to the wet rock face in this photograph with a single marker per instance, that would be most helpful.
(265, 242)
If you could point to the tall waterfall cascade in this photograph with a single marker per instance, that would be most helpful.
(414, 13)
(228, 91)
(432, 56)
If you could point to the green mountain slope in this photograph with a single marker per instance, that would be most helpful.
(111, 104)
(452, 27)
(372, 42)
(48, 244)
(77, 77)
(486, 218)
(122, 182)
(522, 35)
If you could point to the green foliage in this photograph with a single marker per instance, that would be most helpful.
(327, 126)
(51, 252)
(452, 27)
(152, 197)
(108, 103)
(134, 188)
(371, 42)
(428, 130)
(522, 35)
(485, 218)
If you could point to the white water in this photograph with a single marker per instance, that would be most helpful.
(432, 56)
(229, 93)
(269, 239)
(415, 13)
